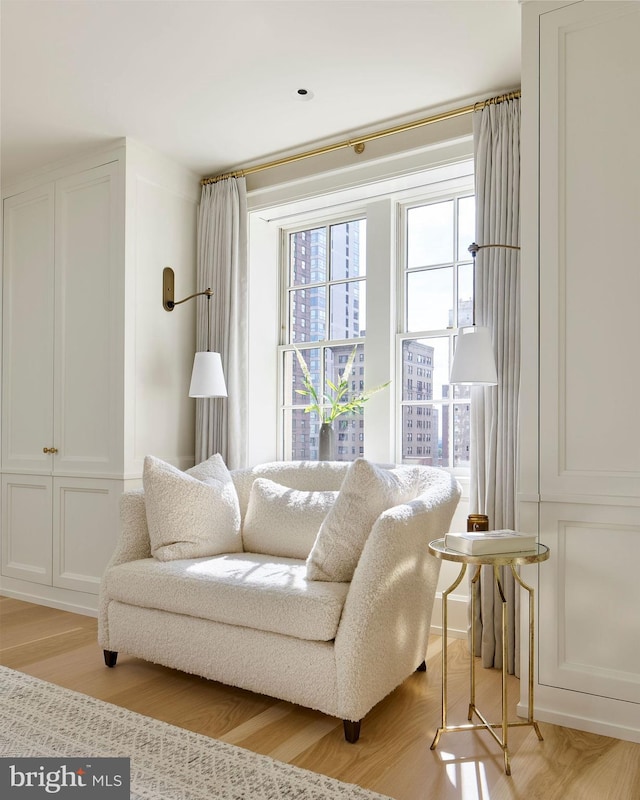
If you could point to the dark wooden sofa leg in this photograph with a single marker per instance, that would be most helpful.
(110, 658)
(422, 667)
(351, 730)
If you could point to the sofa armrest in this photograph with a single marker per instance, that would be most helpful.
(384, 630)
(133, 544)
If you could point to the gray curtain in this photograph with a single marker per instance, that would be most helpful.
(221, 424)
(494, 421)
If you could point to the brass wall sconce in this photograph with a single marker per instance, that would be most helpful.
(207, 377)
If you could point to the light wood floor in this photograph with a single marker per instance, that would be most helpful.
(392, 756)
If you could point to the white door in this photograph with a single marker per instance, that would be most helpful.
(27, 329)
(88, 298)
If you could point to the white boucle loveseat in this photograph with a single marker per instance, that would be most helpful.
(280, 611)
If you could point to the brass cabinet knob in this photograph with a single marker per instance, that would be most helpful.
(51, 450)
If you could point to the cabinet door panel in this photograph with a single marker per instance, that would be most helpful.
(27, 305)
(589, 283)
(589, 628)
(85, 531)
(26, 523)
(86, 344)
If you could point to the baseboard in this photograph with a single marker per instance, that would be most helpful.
(600, 715)
(85, 604)
(583, 724)
(458, 617)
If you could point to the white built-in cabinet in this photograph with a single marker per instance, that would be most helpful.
(580, 447)
(94, 374)
(61, 296)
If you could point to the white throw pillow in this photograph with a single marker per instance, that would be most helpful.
(283, 522)
(191, 514)
(367, 491)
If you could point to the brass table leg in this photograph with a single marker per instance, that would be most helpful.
(505, 723)
(472, 668)
(445, 597)
(530, 719)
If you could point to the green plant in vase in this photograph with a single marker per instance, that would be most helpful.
(329, 406)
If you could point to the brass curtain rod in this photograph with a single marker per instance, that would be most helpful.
(358, 142)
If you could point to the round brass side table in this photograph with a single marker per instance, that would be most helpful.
(540, 553)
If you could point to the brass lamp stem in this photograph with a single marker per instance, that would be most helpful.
(209, 294)
(172, 304)
(473, 249)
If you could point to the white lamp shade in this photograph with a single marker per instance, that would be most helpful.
(207, 378)
(473, 361)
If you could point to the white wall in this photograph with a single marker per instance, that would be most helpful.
(162, 206)
(264, 335)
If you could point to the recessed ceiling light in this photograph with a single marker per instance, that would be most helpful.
(303, 94)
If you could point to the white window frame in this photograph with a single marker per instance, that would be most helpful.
(325, 197)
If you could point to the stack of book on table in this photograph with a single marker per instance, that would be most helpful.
(490, 542)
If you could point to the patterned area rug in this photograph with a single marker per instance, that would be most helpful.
(167, 763)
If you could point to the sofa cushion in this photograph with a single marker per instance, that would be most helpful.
(284, 522)
(306, 476)
(366, 492)
(246, 589)
(191, 514)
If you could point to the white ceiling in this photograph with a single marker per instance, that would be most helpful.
(211, 83)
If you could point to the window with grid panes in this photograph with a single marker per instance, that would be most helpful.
(437, 274)
(420, 292)
(325, 301)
